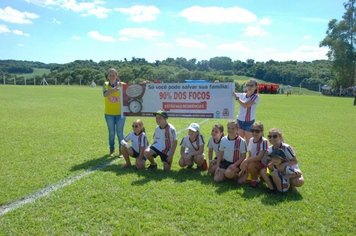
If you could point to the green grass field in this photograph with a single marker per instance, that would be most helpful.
(51, 134)
(36, 72)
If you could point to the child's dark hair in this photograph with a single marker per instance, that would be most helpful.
(256, 84)
(234, 122)
(219, 127)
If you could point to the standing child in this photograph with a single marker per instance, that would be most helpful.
(276, 139)
(192, 149)
(232, 152)
(258, 157)
(214, 143)
(280, 180)
(139, 143)
(164, 142)
(248, 103)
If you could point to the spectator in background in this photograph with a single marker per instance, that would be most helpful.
(288, 90)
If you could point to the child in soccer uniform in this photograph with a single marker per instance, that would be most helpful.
(139, 143)
(164, 142)
(232, 152)
(217, 134)
(192, 149)
(275, 137)
(258, 156)
(280, 180)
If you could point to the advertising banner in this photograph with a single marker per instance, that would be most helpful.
(185, 100)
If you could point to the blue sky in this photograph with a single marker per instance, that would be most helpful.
(61, 31)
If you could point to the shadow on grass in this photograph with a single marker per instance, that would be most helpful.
(182, 175)
(93, 164)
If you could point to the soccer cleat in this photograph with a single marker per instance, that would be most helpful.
(205, 165)
(152, 167)
(255, 184)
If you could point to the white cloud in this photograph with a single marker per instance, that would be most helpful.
(90, 8)
(182, 32)
(236, 46)
(56, 21)
(265, 21)
(97, 36)
(269, 49)
(204, 36)
(20, 45)
(307, 36)
(218, 15)
(98, 12)
(190, 43)
(4, 29)
(19, 32)
(303, 53)
(14, 16)
(75, 37)
(254, 31)
(140, 33)
(140, 13)
(125, 39)
(168, 45)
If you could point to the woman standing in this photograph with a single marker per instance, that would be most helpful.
(248, 102)
(116, 123)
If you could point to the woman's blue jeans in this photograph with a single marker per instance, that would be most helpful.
(115, 125)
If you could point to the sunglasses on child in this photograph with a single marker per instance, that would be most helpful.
(134, 126)
(257, 131)
(272, 136)
(250, 85)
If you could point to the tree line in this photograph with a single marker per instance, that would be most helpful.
(178, 70)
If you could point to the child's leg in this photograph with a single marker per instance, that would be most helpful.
(212, 167)
(231, 172)
(199, 159)
(149, 154)
(126, 152)
(167, 166)
(264, 174)
(254, 167)
(140, 164)
(183, 161)
(242, 179)
(219, 175)
(298, 181)
(277, 180)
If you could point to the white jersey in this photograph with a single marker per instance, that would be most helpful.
(256, 147)
(163, 138)
(232, 148)
(288, 150)
(192, 146)
(137, 140)
(213, 145)
(247, 114)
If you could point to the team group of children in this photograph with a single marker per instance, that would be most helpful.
(276, 165)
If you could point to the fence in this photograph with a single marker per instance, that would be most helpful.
(42, 81)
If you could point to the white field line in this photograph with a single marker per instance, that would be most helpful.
(62, 183)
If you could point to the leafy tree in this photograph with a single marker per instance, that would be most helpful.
(340, 38)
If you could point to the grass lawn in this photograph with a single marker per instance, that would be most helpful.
(36, 72)
(52, 133)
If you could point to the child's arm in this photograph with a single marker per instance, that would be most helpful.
(210, 155)
(200, 151)
(292, 162)
(182, 152)
(220, 157)
(242, 158)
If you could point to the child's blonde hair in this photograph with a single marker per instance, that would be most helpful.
(140, 123)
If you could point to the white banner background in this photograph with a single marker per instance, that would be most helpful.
(186, 100)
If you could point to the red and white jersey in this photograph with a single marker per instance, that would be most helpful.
(192, 146)
(212, 144)
(288, 150)
(247, 114)
(232, 148)
(163, 138)
(256, 147)
(137, 140)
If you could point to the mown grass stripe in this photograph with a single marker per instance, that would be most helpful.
(47, 190)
